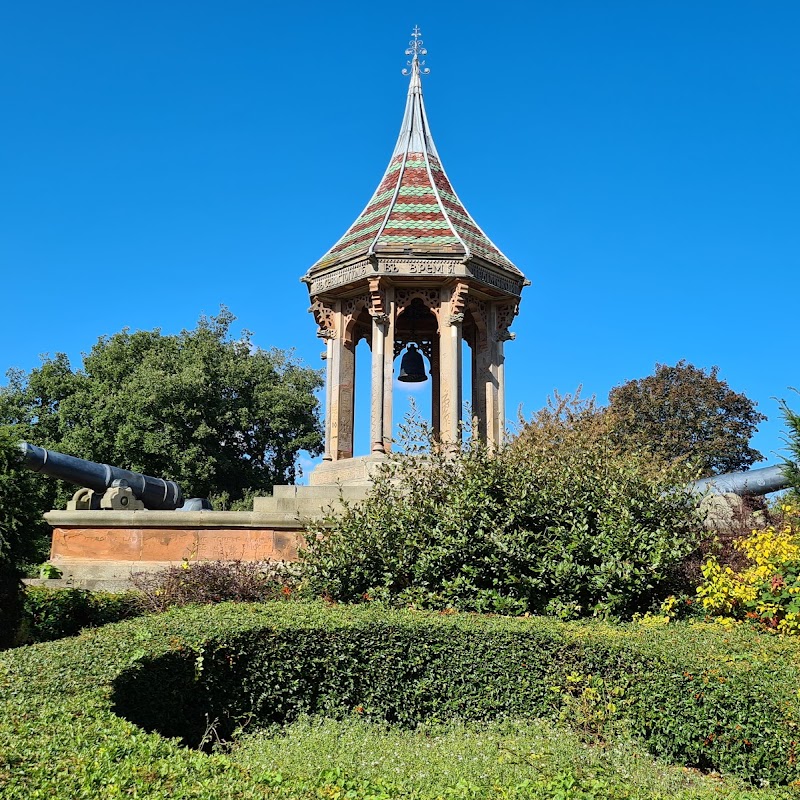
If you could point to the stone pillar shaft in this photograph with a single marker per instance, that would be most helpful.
(341, 407)
(328, 396)
(377, 408)
(450, 379)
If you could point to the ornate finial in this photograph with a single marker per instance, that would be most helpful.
(416, 50)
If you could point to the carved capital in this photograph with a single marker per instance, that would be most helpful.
(455, 319)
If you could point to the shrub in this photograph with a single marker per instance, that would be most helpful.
(215, 582)
(20, 529)
(49, 614)
(696, 694)
(559, 522)
(766, 589)
(792, 465)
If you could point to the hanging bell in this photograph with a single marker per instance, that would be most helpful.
(412, 367)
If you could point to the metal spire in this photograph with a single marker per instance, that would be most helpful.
(416, 49)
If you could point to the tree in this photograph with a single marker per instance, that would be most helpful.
(22, 531)
(683, 412)
(791, 466)
(214, 413)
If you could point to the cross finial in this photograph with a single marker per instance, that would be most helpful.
(416, 49)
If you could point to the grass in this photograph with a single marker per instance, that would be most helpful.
(504, 759)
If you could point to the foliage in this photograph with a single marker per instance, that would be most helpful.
(558, 522)
(54, 613)
(791, 466)
(500, 759)
(684, 412)
(21, 530)
(215, 582)
(211, 412)
(695, 694)
(767, 590)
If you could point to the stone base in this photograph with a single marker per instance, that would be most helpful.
(307, 503)
(356, 471)
(90, 546)
(100, 549)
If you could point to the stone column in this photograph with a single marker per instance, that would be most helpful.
(377, 405)
(501, 390)
(328, 336)
(388, 369)
(489, 381)
(343, 367)
(450, 376)
(482, 387)
(435, 394)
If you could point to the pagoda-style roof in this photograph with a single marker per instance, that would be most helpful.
(415, 211)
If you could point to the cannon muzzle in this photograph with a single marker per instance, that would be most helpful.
(155, 493)
(753, 482)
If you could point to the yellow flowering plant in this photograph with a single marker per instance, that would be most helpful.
(767, 589)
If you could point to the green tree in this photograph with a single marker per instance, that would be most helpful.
(682, 412)
(791, 466)
(22, 530)
(214, 413)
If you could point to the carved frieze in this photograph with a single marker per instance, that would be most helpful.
(350, 273)
(505, 284)
(407, 267)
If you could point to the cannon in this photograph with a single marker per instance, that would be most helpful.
(105, 487)
(753, 482)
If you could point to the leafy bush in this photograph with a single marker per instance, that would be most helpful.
(20, 532)
(215, 582)
(766, 590)
(49, 614)
(558, 522)
(792, 465)
(700, 695)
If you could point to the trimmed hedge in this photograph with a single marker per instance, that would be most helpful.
(49, 614)
(696, 694)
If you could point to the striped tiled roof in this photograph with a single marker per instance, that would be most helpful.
(415, 206)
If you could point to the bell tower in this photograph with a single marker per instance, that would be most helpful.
(413, 274)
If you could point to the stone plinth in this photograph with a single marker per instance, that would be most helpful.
(98, 545)
(346, 472)
(100, 549)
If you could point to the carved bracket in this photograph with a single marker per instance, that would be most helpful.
(505, 313)
(377, 298)
(325, 317)
(459, 298)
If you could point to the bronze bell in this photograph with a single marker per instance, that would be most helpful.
(412, 367)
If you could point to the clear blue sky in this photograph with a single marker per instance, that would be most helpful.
(637, 160)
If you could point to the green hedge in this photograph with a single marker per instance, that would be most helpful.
(697, 694)
(49, 614)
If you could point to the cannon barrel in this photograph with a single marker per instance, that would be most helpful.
(753, 482)
(155, 493)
